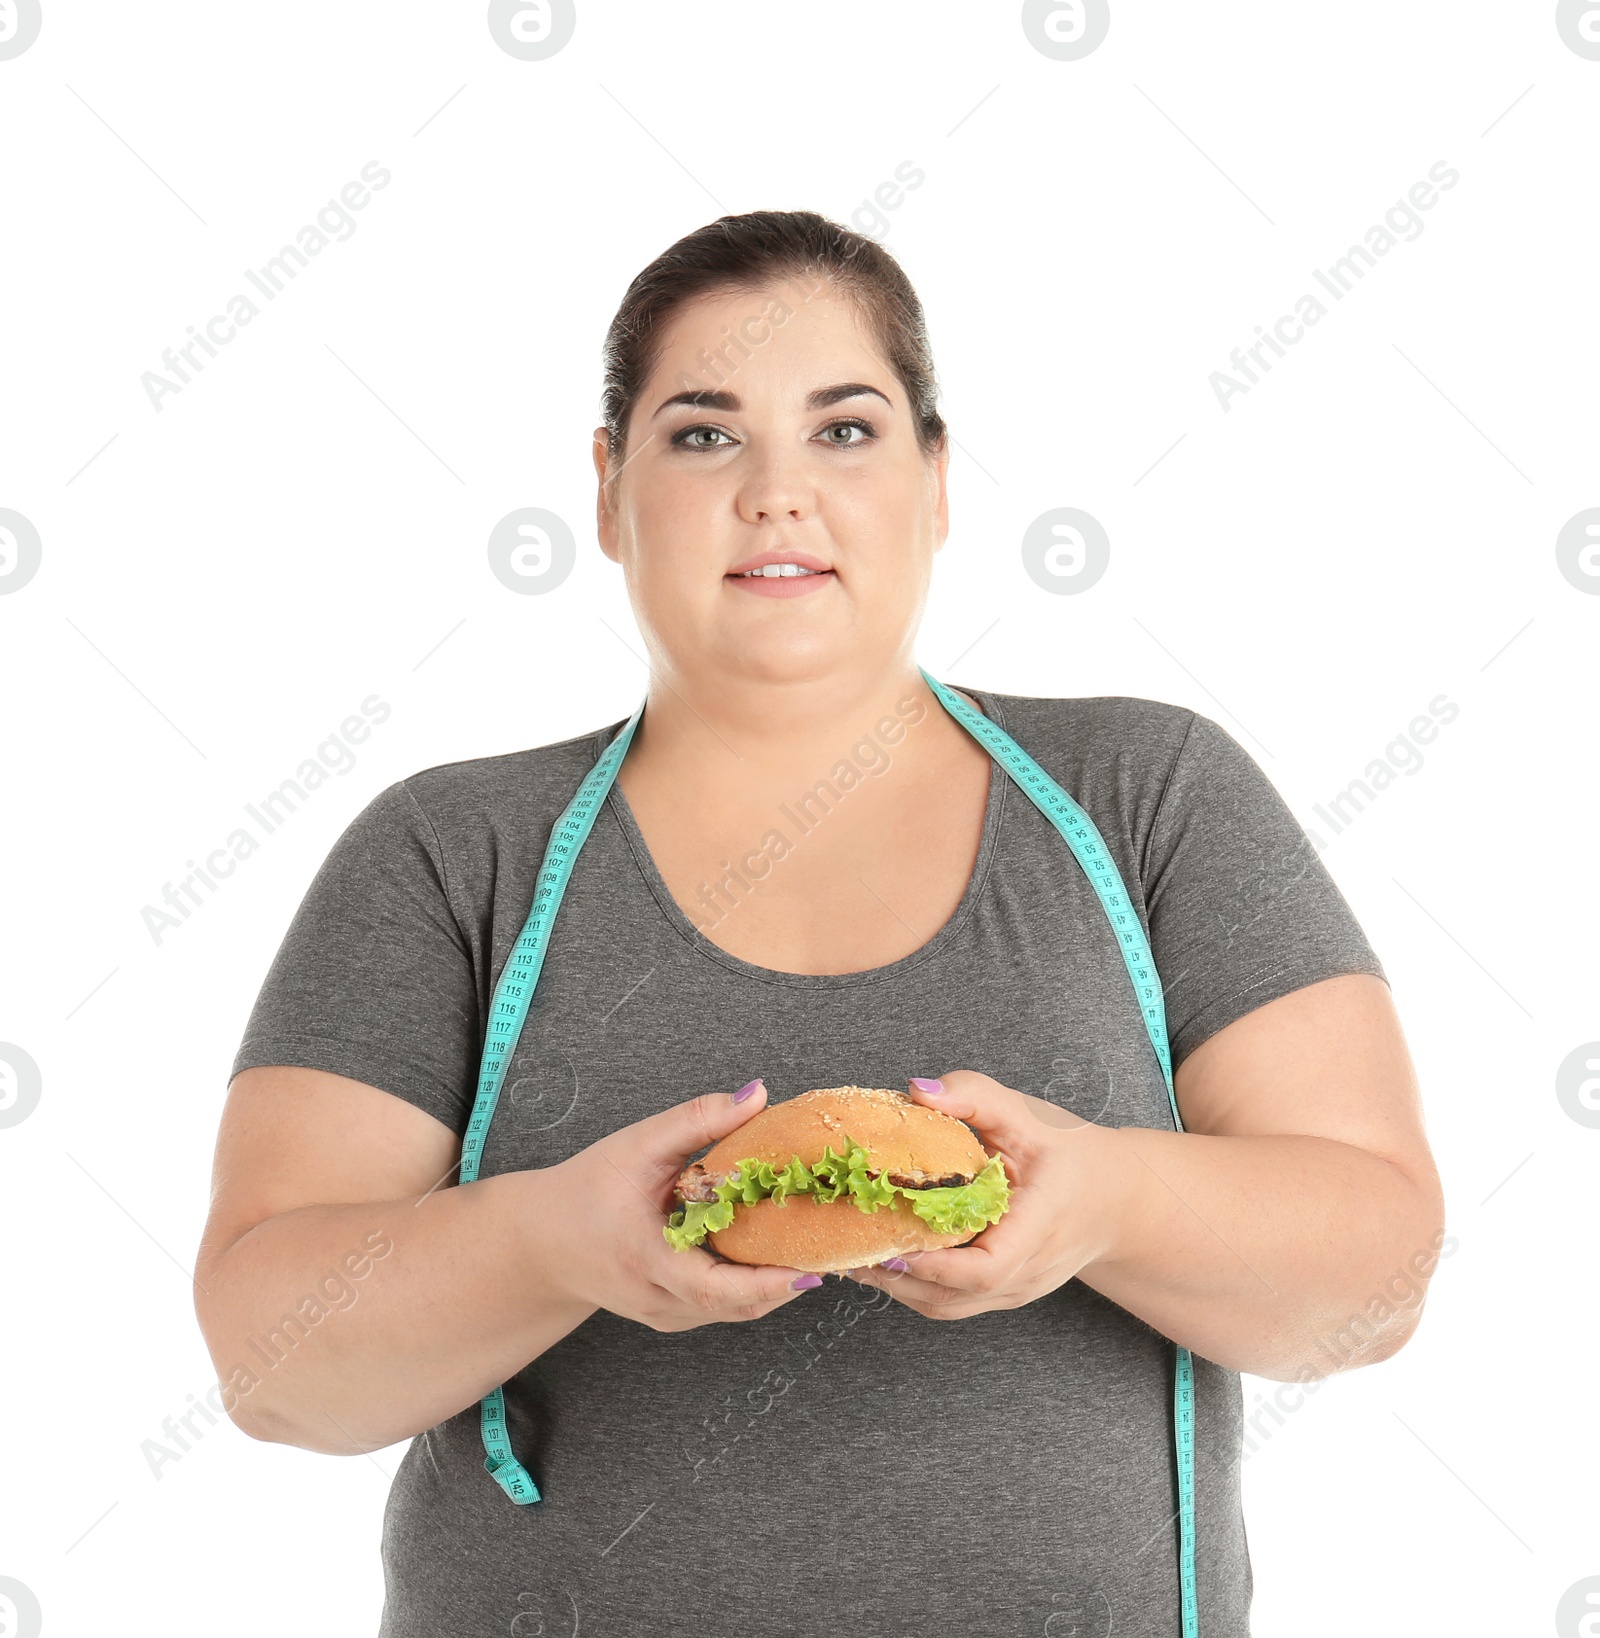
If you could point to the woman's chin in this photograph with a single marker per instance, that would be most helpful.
(793, 657)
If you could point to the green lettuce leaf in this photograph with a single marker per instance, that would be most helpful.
(963, 1209)
(968, 1208)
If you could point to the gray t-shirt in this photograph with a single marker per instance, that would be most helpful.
(843, 1462)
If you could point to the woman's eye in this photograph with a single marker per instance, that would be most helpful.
(687, 438)
(846, 426)
(699, 437)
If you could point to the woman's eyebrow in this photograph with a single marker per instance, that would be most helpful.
(730, 401)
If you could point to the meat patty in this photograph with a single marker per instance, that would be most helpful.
(954, 1181)
(697, 1184)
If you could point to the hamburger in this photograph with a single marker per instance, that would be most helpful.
(839, 1178)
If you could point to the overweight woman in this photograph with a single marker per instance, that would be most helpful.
(807, 862)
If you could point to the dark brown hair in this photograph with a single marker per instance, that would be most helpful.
(751, 252)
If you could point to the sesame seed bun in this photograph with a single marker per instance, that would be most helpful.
(917, 1146)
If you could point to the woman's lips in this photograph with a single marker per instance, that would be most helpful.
(799, 585)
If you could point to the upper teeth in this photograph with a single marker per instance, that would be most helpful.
(771, 571)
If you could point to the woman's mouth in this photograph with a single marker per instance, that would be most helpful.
(782, 580)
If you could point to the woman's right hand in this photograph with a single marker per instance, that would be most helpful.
(606, 1206)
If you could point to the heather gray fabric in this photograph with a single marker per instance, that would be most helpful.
(843, 1463)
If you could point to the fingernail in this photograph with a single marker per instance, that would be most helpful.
(899, 1264)
(923, 1084)
(746, 1090)
(806, 1282)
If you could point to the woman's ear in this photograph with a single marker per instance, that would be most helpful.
(604, 518)
(941, 510)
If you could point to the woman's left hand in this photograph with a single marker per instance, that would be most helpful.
(1059, 1220)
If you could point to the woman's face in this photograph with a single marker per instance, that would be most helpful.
(773, 460)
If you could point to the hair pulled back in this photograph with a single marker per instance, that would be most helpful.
(757, 251)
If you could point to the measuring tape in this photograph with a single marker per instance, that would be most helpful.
(506, 1015)
(515, 990)
(1089, 848)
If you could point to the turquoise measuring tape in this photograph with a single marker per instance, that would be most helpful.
(515, 990)
(1089, 848)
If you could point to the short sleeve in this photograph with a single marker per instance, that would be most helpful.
(1242, 909)
(374, 978)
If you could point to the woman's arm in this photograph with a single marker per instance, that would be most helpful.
(396, 1300)
(1290, 1230)
(350, 1299)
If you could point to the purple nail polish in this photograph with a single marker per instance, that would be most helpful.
(899, 1264)
(923, 1084)
(746, 1090)
(806, 1282)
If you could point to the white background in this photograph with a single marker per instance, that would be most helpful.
(224, 580)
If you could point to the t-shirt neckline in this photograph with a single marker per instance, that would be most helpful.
(994, 808)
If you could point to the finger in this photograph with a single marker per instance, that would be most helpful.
(969, 1268)
(666, 1139)
(712, 1284)
(935, 1300)
(911, 1289)
(999, 1114)
(1017, 1246)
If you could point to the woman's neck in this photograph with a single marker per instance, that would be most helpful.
(757, 738)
